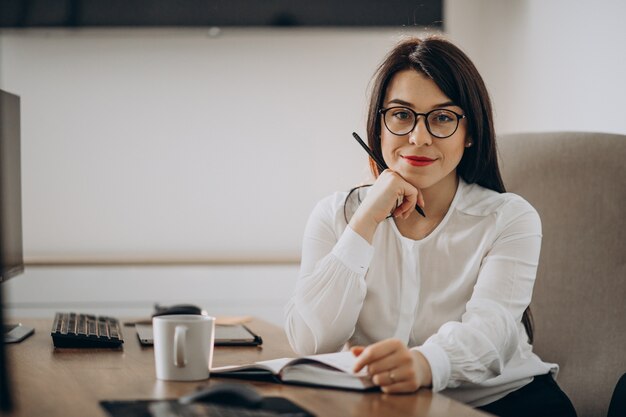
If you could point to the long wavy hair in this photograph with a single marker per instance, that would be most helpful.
(455, 74)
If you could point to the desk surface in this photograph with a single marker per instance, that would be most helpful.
(71, 382)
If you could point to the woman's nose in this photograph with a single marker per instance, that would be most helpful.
(420, 135)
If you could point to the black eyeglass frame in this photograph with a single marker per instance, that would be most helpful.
(382, 112)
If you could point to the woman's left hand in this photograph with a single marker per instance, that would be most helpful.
(393, 367)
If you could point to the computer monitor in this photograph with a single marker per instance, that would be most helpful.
(11, 253)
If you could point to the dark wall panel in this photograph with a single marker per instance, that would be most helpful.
(131, 13)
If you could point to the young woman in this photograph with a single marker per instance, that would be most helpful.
(439, 301)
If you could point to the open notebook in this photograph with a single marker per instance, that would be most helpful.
(328, 370)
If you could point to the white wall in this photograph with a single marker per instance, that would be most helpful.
(549, 65)
(144, 145)
(132, 291)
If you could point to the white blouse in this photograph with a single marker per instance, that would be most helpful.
(457, 295)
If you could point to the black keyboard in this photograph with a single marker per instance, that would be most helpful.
(75, 330)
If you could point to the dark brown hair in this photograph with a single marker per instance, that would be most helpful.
(454, 73)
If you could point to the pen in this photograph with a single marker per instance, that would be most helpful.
(380, 164)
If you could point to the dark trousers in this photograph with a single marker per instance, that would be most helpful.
(541, 397)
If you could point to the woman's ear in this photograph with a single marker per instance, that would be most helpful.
(468, 142)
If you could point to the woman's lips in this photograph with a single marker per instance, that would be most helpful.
(418, 161)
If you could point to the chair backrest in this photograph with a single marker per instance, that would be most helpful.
(577, 183)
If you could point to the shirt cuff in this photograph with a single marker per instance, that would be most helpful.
(354, 251)
(439, 364)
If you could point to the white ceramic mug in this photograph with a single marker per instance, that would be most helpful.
(183, 346)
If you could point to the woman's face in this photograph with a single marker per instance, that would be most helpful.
(420, 158)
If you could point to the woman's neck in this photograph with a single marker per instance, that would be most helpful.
(438, 197)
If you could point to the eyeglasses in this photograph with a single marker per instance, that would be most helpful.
(440, 123)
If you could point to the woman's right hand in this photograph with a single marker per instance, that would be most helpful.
(390, 194)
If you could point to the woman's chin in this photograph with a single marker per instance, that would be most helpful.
(419, 181)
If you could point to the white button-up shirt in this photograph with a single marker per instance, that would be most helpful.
(457, 295)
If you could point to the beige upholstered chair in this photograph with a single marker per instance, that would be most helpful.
(577, 183)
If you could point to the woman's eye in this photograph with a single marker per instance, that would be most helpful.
(442, 118)
(402, 115)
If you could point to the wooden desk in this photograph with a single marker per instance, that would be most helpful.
(50, 382)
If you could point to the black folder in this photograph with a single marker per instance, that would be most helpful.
(225, 335)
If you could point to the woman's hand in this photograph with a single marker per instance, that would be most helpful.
(393, 367)
(390, 194)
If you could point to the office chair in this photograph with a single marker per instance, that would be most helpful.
(577, 183)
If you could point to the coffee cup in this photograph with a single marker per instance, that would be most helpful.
(183, 346)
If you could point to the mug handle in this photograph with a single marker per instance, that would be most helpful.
(180, 346)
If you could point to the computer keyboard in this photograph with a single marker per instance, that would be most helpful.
(76, 330)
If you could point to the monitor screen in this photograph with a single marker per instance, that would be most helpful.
(11, 256)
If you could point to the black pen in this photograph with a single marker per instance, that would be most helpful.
(380, 164)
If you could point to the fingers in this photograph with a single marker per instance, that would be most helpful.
(375, 352)
(393, 369)
(357, 350)
(382, 198)
(406, 386)
(407, 196)
(391, 193)
(390, 364)
(399, 380)
(406, 208)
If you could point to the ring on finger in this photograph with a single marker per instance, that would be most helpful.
(391, 377)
